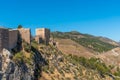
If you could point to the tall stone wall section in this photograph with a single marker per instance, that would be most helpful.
(4, 38)
(13, 38)
(25, 34)
(47, 35)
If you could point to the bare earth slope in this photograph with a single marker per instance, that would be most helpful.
(111, 57)
(67, 46)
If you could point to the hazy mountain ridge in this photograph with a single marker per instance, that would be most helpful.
(107, 40)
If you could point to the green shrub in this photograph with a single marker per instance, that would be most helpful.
(117, 73)
(45, 68)
(34, 44)
(92, 63)
(27, 47)
(18, 57)
(20, 26)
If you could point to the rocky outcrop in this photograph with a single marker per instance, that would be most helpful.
(20, 71)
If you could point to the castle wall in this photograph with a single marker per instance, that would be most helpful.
(4, 38)
(13, 38)
(25, 34)
(47, 35)
(9, 38)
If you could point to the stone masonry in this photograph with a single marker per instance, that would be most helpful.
(13, 38)
(4, 38)
(9, 37)
(25, 34)
(42, 35)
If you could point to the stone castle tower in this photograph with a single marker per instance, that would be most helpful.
(25, 34)
(42, 35)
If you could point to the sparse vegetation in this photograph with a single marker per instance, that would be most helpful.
(92, 63)
(94, 44)
(18, 57)
(34, 44)
(117, 73)
(73, 67)
(26, 46)
(25, 55)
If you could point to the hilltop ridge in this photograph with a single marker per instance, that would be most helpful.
(98, 44)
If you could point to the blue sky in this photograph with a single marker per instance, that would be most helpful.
(97, 17)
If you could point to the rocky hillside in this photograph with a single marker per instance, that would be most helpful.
(70, 67)
(97, 44)
(111, 57)
(41, 62)
(48, 62)
(21, 64)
